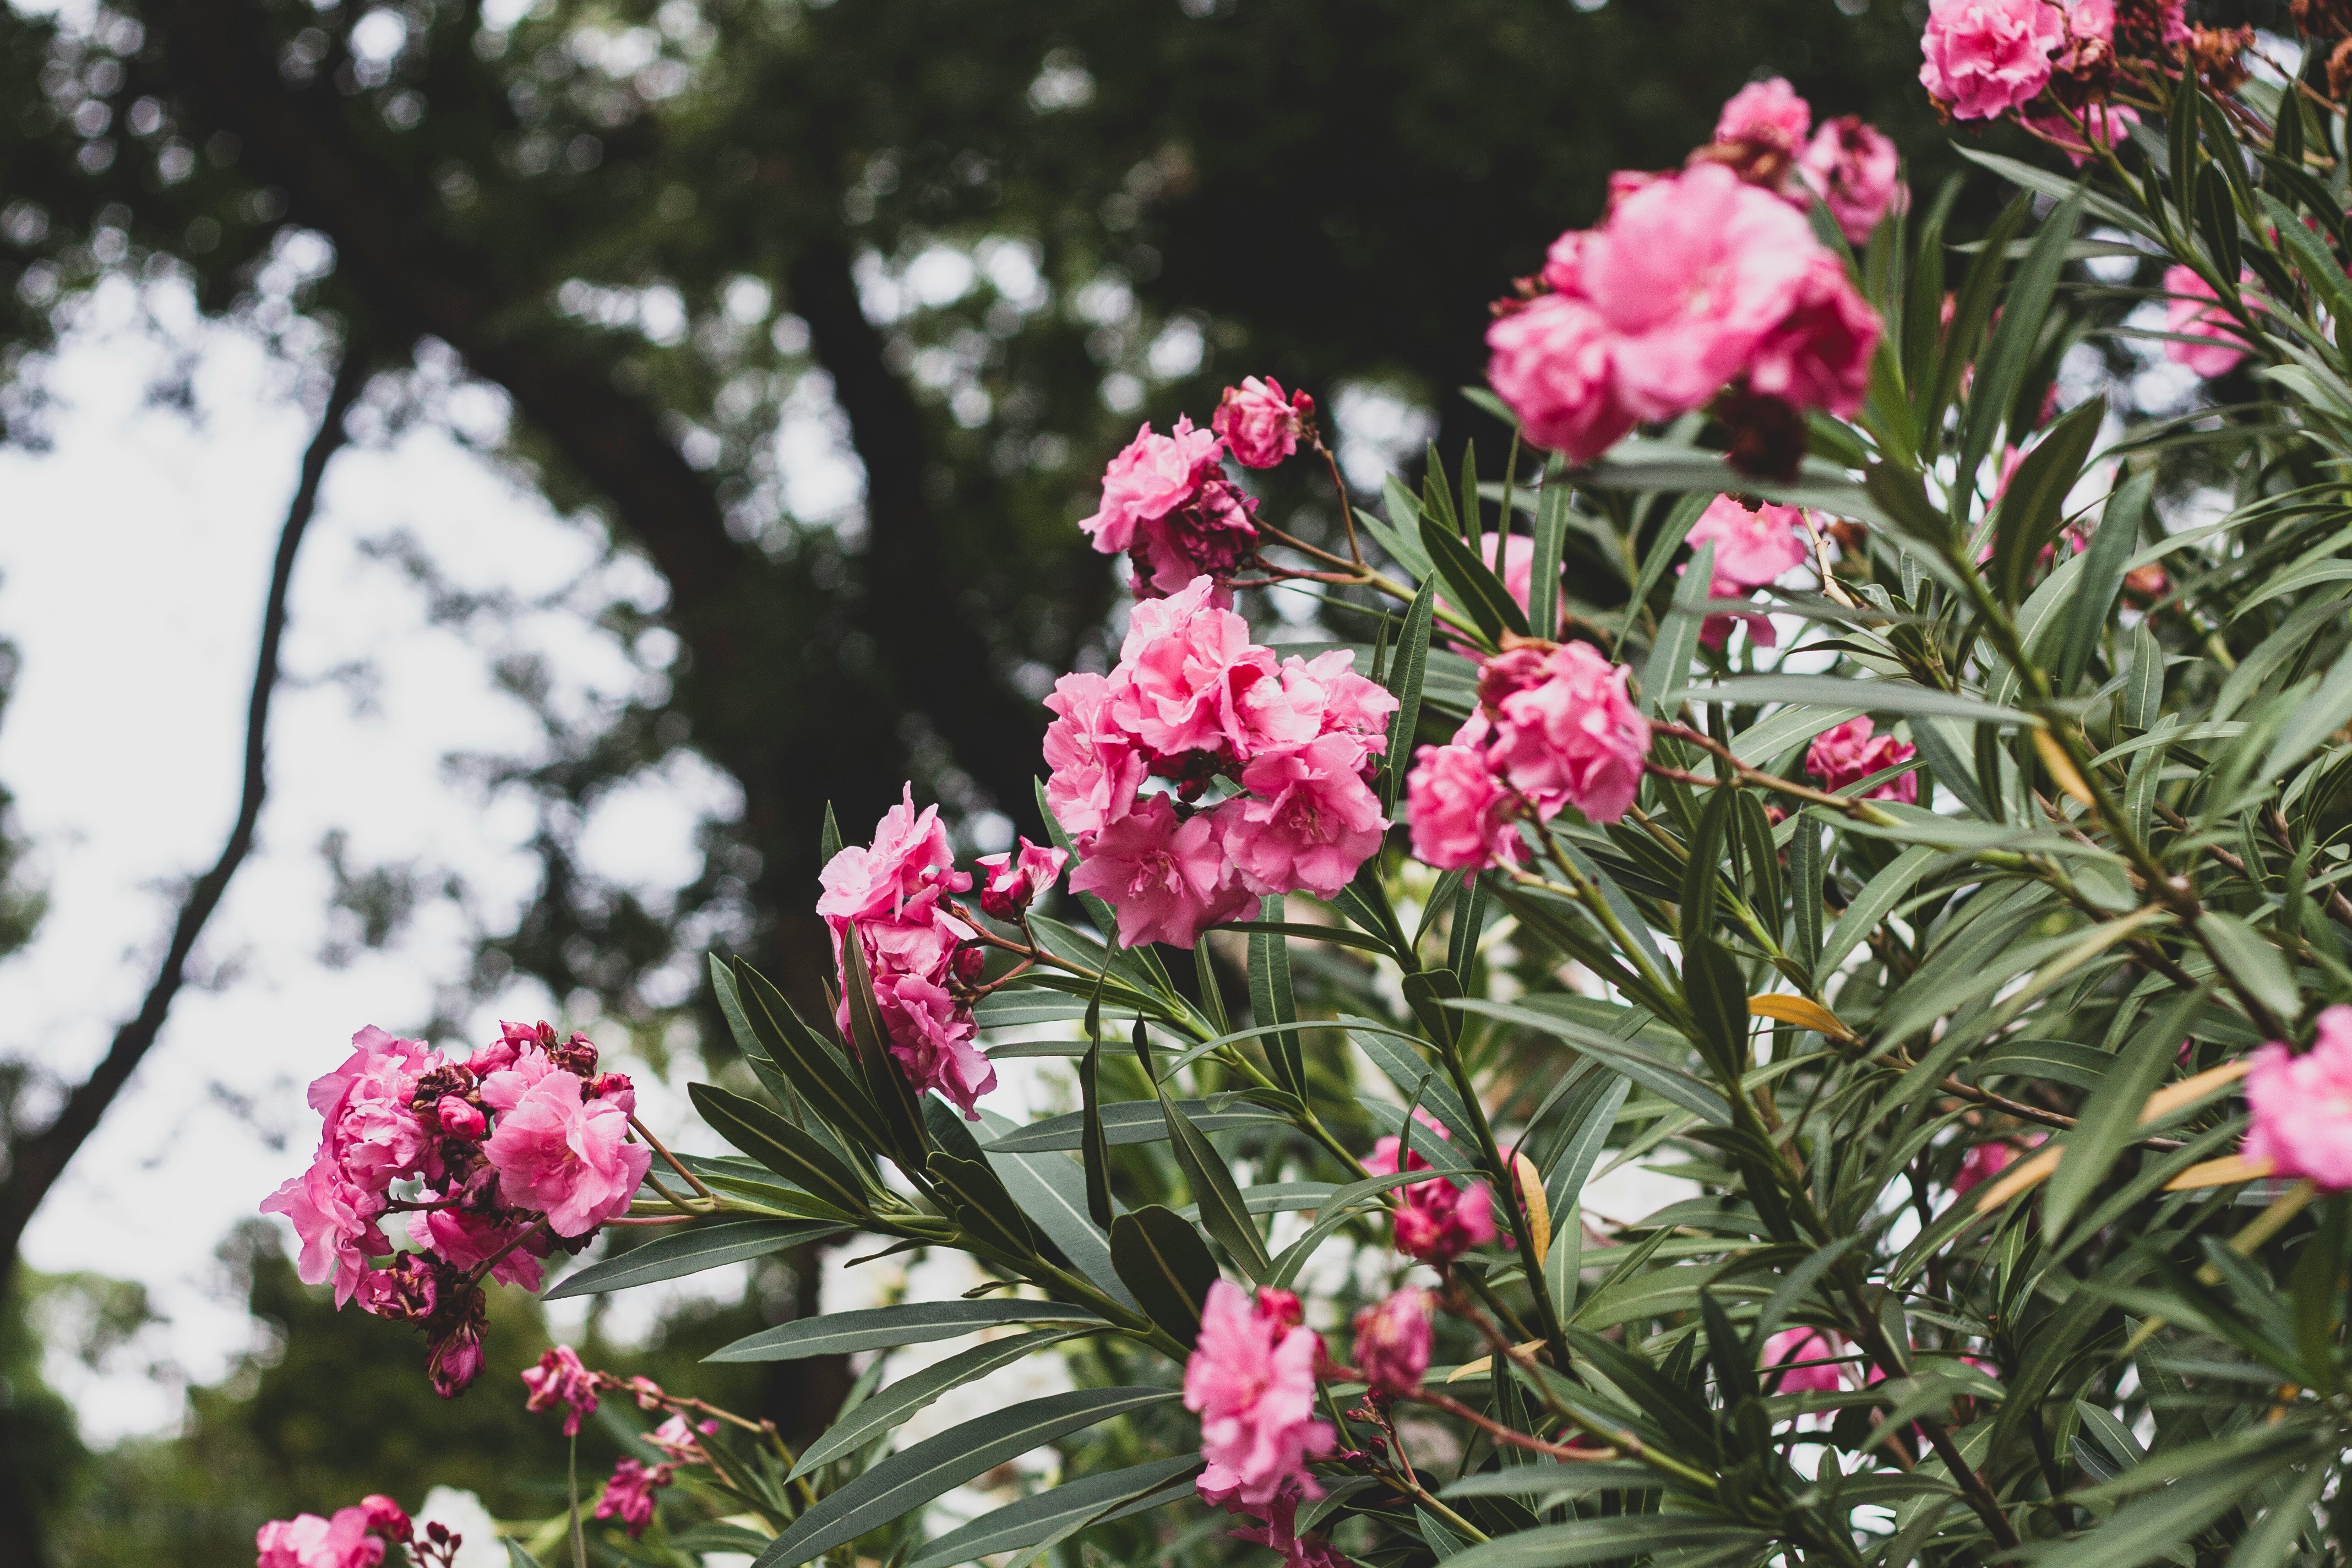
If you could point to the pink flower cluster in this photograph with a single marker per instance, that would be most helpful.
(922, 953)
(561, 1381)
(1984, 59)
(1700, 279)
(557, 1163)
(2302, 1105)
(1754, 548)
(354, 1537)
(1251, 1380)
(1554, 728)
(2193, 312)
(1196, 703)
(1435, 1222)
(1848, 753)
(1166, 498)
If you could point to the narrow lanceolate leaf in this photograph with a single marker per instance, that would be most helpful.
(2103, 576)
(1163, 1259)
(517, 1557)
(1222, 1212)
(1677, 1084)
(1048, 1514)
(1605, 1539)
(1093, 1148)
(886, 1327)
(1271, 1000)
(893, 1404)
(1050, 1190)
(1134, 1121)
(2314, 718)
(814, 1066)
(1678, 634)
(908, 1479)
(781, 1146)
(1406, 672)
(1550, 541)
(1471, 582)
(2252, 962)
(672, 1255)
(2030, 509)
(886, 1085)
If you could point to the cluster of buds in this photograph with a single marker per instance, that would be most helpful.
(497, 1161)
(561, 1381)
(354, 1537)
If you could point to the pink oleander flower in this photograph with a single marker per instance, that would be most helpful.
(459, 1119)
(1392, 1341)
(908, 864)
(1260, 426)
(387, 1518)
(1015, 880)
(1342, 701)
(371, 1131)
(1854, 167)
(1818, 356)
(629, 1495)
(1097, 765)
(1552, 360)
(1461, 813)
(561, 1379)
(406, 1293)
(1251, 1380)
(1848, 753)
(306, 1540)
(1187, 661)
(465, 1239)
(1152, 477)
(1796, 1345)
(1981, 1164)
(1766, 112)
(1689, 274)
(1166, 878)
(2106, 123)
(1574, 738)
(681, 1439)
(2192, 314)
(1213, 535)
(336, 1221)
(933, 1040)
(1985, 57)
(566, 1155)
(1308, 821)
(1435, 1221)
(1278, 1520)
(1754, 547)
(2302, 1105)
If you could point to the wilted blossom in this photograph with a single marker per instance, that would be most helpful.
(1260, 426)
(1847, 753)
(1196, 703)
(561, 1379)
(1435, 1221)
(2302, 1105)
(1801, 1345)
(1152, 477)
(629, 1495)
(1393, 1339)
(1251, 1380)
(387, 1518)
(2193, 312)
(1277, 1522)
(409, 1291)
(307, 1541)
(1854, 167)
(1213, 534)
(1985, 57)
(455, 1358)
(1015, 878)
(1754, 547)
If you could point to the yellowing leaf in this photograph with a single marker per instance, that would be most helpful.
(2061, 768)
(1798, 1010)
(1539, 1207)
(2172, 1097)
(2022, 1177)
(2221, 1173)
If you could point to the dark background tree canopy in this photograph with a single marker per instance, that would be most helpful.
(1329, 192)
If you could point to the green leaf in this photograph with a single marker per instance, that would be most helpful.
(675, 1254)
(2253, 963)
(1550, 541)
(1873, 904)
(1470, 584)
(1407, 671)
(1663, 548)
(1607, 1539)
(1050, 1190)
(1870, 696)
(829, 842)
(1094, 1149)
(781, 1146)
(1400, 532)
(887, 1327)
(1128, 1121)
(1038, 1518)
(2319, 270)
(1760, 744)
(517, 1557)
(906, 1481)
(1165, 1263)
(893, 1404)
(1271, 1001)
(2149, 1527)
(1677, 642)
(1222, 1212)
(2314, 718)
(2022, 309)
(1664, 1079)
(886, 1085)
(2279, 1534)
(815, 1067)
(2027, 516)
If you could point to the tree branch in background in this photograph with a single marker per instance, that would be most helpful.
(37, 1160)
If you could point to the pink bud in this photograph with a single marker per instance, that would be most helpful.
(460, 1119)
(386, 1517)
(1392, 1341)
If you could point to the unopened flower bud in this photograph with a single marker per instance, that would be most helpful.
(460, 1119)
(457, 1361)
(1282, 1306)
(1260, 425)
(1015, 880)
(386, 1518)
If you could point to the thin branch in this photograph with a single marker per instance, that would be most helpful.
(39, 1160)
